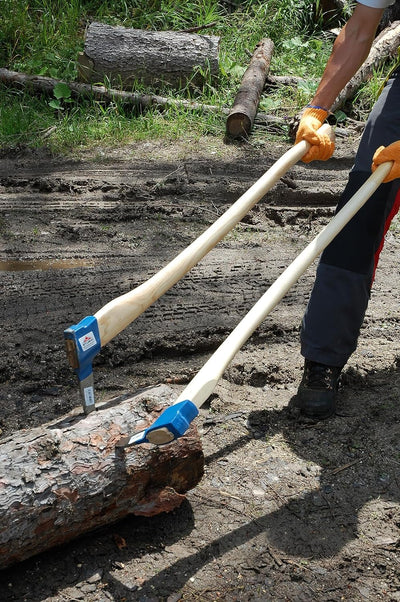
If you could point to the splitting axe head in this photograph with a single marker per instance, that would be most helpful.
(82, 342)
(172, 423)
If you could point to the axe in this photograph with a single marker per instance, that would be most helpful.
(85, 339)
(175, 420)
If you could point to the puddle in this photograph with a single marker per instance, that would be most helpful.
(44, 265)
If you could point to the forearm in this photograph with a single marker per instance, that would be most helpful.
(350, 50)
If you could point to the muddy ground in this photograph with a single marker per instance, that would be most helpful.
(286, 510)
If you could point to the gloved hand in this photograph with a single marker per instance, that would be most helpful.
(322, 146)
(388, 153)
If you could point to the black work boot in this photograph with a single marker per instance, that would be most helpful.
(317, 393)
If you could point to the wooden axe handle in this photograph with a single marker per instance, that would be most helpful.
(203, 384)
(120, 312)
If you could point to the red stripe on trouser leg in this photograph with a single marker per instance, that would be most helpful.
(394, 210)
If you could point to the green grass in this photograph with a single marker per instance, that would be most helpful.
(45, 38)
(369, 92)
(23, 119)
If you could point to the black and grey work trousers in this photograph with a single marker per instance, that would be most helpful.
(339, 299)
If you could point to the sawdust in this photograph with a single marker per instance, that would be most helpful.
(286, 510)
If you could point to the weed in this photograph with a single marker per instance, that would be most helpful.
(369, 92)
(62, 96)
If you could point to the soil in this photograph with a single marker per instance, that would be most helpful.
(287, 510)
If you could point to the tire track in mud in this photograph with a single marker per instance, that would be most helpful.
(127, 221)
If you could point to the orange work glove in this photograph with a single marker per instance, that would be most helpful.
(388, 153)
(322, 146)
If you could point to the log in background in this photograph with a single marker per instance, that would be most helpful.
(242, 115)
(122, 56)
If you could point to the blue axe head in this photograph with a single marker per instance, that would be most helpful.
(82, 342)
(172, 423)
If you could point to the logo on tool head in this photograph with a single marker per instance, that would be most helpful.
(87, 341)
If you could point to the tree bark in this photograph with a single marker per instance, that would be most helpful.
(241, 118)
(122, 56)
(68, 477)
(385, 46)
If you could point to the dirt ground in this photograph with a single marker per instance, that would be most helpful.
(287, 510)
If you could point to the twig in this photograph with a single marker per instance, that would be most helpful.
(344, 467)
(227, 494)
(199, 28)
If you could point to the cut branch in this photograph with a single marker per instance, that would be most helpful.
(45, 85)
(66, 478)
(199, 27)
(241, 118)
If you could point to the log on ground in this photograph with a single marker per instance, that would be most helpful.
(241, 118)
(68, 477)
(121, 56)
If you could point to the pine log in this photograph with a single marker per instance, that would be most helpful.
(384, 47)
(63, 479)
(121, 56)
(241, 118)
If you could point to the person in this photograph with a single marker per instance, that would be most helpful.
(345, 273)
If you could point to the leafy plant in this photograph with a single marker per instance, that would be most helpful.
(62, 96)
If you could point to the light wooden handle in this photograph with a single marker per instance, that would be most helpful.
(203, 384)
(118, 313)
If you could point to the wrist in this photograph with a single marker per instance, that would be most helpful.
(316, 107)
(316, 112)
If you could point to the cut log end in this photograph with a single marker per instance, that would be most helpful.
(238, 125)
